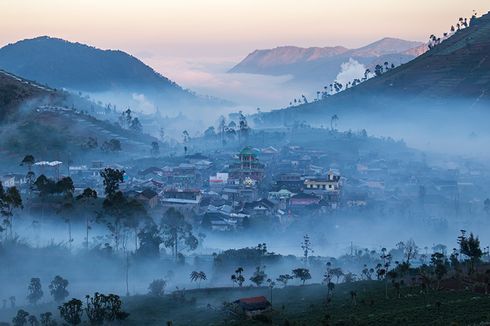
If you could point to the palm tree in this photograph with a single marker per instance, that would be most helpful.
(198, 277)
(238, 277)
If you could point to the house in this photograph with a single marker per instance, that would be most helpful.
(259, 207)
(182, 198)
(219, 221)
(148, 197)
(8, 180)
(252, 306)
(330, 184)
(327, 188)
(290, 181)
(304, 199)
(240, 193)
(218, 181)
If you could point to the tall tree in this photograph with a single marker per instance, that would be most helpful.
(177, 233)
(112, 179)
(259, 276)
(71, 312)
(306, 247)
(35, 291)
(10, 200)
(57, 288)
(302, 273)
(470, 247)
(88, 196)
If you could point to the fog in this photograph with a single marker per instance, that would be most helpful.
(407, 169)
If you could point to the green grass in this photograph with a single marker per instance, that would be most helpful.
(305, 305)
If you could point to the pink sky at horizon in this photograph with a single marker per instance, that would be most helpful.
(194, 42)
(226, 28)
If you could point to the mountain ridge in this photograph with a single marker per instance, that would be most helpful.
(317, 66)
(453, 74)
(79, 67)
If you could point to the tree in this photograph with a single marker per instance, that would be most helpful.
(21, 318)
(57, 288)
(486, 205)
(238, 277)
(46, 319)
(337, 272)
(243, 126)
(112, 145)
(222, 129)
(9, 200)
(271, 285)
(112, 178)
(33, 320)
(121, 214)
(149, 241)
(470, 247)
(136, 125)
(198, 277)
(162, 135)
(367, 272)
(259, 276)
(155, 148)
(90, 143)
(410, 251)
(333, 120)
(284, 279)
(104, 309)
(88, 195)
(35, 291)
(29, 162)
(306, 246)
(71, 312)
(185, 136)
(439, 263)
(177, 233)
(157, 287)
(210, 133)
(302, 273)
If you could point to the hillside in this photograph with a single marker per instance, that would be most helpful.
(303, 305)
(46, 123)
(14, 91)
(453, 75)
(75, 66)
(321, 65)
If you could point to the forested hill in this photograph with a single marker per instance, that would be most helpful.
(456, 70)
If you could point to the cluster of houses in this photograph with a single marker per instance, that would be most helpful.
(227, 191)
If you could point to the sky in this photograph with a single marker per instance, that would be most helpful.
(195, 41)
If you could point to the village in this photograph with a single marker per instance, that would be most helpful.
(231, 189)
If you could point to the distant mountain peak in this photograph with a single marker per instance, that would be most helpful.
(319, 65)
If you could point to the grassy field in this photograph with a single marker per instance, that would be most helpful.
(306, 305)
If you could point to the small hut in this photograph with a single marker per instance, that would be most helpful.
(252, 306)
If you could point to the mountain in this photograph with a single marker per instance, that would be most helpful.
(446, 88)
(75, 66)
(318, 66)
